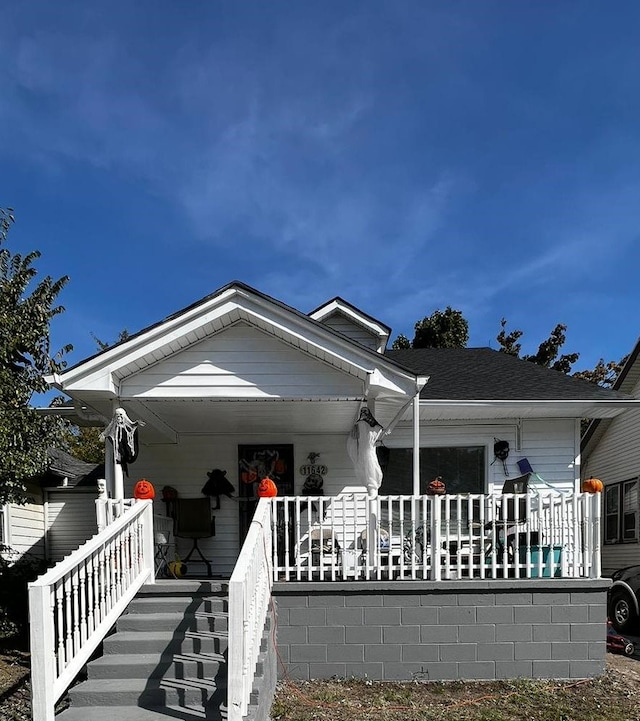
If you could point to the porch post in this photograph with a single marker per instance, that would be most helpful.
(416, 444)
(596, 509)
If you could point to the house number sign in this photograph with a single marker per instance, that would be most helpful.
(311, 468)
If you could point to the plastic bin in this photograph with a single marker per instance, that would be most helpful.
(546, 552)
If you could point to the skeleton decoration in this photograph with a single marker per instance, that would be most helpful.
(361, 447)
(123, 434)
(102, 489)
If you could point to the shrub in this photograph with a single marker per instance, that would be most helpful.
(14, 594)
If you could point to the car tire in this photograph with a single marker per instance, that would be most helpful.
(622, 611)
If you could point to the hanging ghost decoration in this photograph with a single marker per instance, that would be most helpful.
(123, 434)
(361, 447)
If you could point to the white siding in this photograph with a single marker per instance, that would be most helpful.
(71, 520)
(185, 466)
(25, 525)
(340, 322)
(241, 362)
(616, 458)
(549, 446)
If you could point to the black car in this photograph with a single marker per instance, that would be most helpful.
(623, 602)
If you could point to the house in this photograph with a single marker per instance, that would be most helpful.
(59, 513)
(611, 452)
(384, 582)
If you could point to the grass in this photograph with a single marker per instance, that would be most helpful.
(614, 697)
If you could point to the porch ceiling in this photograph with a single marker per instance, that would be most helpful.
(166, 419)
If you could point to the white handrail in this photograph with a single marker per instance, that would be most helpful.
(73, 605)
(249, 598)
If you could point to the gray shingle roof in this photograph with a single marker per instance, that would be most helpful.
(487, 374)
(79, 473)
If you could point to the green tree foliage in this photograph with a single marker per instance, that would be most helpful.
(449, 329)
(604, 374)
(548, 353)
(26, 310)
(442, 329)
(401, 342)
(84, 443)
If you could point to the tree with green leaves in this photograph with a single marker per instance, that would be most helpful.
(27, 307)
(449, 329)
(442, 329)
(548, 353)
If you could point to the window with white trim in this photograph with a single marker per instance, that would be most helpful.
(621, 510)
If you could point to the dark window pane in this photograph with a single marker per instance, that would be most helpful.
(462, 469)
(611, 519)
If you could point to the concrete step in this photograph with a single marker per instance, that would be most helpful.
(158, 665)
(133, 642)
(198, 621)
(178, 604)
(198, 694)
(131, 713)
(186, 586)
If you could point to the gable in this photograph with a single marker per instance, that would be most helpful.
(345, 325)
(241, 362)
(353, 323)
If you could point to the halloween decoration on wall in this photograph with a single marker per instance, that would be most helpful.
(123, 434)
(592, 485)
(267, 489)
(436, 487)
(144, 490)
(361, 447)
(313, 471)
(501, 453)
(265, 461)
(218, 485)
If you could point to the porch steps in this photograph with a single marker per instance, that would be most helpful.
(166, 659)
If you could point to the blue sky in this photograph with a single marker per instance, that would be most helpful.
(405, 156)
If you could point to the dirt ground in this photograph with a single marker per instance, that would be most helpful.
(623, 681)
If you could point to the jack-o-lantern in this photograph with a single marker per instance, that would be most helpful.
(280, 466)
(592, 485)
(267, 489)
(436, 487)
(144, 490)
(249, 476)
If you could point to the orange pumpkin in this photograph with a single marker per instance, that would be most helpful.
(249, 476)
(280, 466)
(144, 490)
(267, 489)
(436, 488)
(592, 485)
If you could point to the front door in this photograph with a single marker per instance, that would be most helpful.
(255, 462)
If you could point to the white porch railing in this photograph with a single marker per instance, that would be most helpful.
(436, 537)
(73, 606)
(109, 510)
(249, 598)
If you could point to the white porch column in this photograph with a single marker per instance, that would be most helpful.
(416, 444)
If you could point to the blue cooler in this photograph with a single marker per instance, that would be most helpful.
(546, 562)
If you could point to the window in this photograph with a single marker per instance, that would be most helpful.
(621, 512)
(462, 468)
(3, 535)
